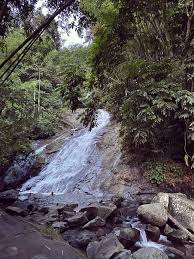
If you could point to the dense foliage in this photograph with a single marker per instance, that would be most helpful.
(144, 74)
(33, 96)
(139, 66)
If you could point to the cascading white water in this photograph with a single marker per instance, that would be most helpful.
(144, 242)
(72, 161)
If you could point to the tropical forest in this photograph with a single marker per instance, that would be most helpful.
(96, 129)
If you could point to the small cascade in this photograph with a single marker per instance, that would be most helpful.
(144, 242)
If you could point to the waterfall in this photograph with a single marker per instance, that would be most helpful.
(76, 158)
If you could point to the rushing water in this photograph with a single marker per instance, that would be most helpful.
(71, 163)
(144, 242)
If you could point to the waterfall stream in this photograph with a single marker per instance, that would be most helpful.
(77, 161)
(144, 242)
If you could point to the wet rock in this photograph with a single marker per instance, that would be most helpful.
(125, 203)
(189, 252)
(9, 196)
(152, 232)
(60, 226)
(67, 208)
(14, 211)
(127, 212)
(44, 210)
(78, 220)
(125, 254)
(100, 232)
(127, 236)
(67, 214)
(117, 200)
(177, 236)
(104, 249)
(21, 170)
(79, 238)
(40, 162)
(101, 210)
(154, 214)
(167, 230)
(177, 253)
(97, 222)
(51, 218)
(149, 253)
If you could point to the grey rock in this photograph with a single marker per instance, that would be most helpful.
(67, 208)
(101, 210)
(104, 249)
(100, 232)
(179, 254)
(20, 240)
(125, 254)
(189, 251)
(67, 214)
(9, 196)
(154, 214)
(127, 236)
(22, 168)
(94, 223)
(181, 208)
(79, 238)
(15, 211)
(177, 236)
(149, 253)
(153, 232)
(44, 210)
(163, 198)
(117, 200)
(60, 226)
(167, 230)
(78, 220)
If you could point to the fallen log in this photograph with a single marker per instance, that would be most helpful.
(178, 225)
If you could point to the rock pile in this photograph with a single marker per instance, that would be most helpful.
(103, 230)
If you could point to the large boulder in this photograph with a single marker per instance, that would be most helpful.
(95, 223)
(9, 196)
(182, 209)
(179, 207)
(78, 220)
(100, 210)
(79, 238)
(19, 240)
(154, 214)
(22, 168)
(15, 211)
(104, 249)
(149, 253)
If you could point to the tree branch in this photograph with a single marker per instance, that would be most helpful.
(38, 30)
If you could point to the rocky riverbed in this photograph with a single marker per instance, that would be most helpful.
(114, 229)
(84, 201)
